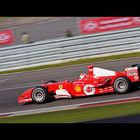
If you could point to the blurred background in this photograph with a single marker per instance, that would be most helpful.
(41, 28)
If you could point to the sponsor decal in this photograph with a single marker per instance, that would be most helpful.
(77, 88)
(62, 92)
(60, 86)
(132, 68)
(103, 24)
(6, 37)
(131, 73)
(90, 26)
(89, 89)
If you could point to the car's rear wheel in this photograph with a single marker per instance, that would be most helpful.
(122, 85)
(39, 95)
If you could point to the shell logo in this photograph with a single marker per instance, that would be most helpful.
(77, 88)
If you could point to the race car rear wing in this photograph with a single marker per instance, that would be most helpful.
(133, 73)
(99, 72)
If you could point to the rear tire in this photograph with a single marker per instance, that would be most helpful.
(122, 85)
(39, 95)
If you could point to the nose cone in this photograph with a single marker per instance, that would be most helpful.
(25, 97)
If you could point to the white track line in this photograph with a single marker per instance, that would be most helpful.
(59, 108)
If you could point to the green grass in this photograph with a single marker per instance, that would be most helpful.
(77, 115)
(80, 61)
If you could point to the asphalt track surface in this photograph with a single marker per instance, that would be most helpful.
(12, 85)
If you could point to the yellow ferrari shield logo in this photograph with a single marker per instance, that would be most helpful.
(60, 86)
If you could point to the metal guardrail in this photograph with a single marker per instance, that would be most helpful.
(53, 51)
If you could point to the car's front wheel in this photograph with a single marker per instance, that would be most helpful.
(39, 95)
(122, 85)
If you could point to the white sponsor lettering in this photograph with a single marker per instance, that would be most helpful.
(132, 71)
(4, 37)
(62, 92)
(115, 25)
(132, 68)
(90, 25)
(115, 20)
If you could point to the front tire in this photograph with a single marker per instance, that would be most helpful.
(122, 85)
(39, 95)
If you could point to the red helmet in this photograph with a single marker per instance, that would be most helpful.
(83, 75)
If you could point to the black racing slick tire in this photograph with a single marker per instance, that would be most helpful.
(39, 95)
(51, 81)
(122, 85)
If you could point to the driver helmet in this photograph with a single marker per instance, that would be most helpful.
(83, 75)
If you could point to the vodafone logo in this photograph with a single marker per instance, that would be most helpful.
(89, 89)
(90, 26)
(4, 37)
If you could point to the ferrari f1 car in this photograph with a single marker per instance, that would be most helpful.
(97, 81)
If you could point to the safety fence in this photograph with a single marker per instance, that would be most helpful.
(60, 50)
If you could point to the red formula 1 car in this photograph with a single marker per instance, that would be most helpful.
(97, 81)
